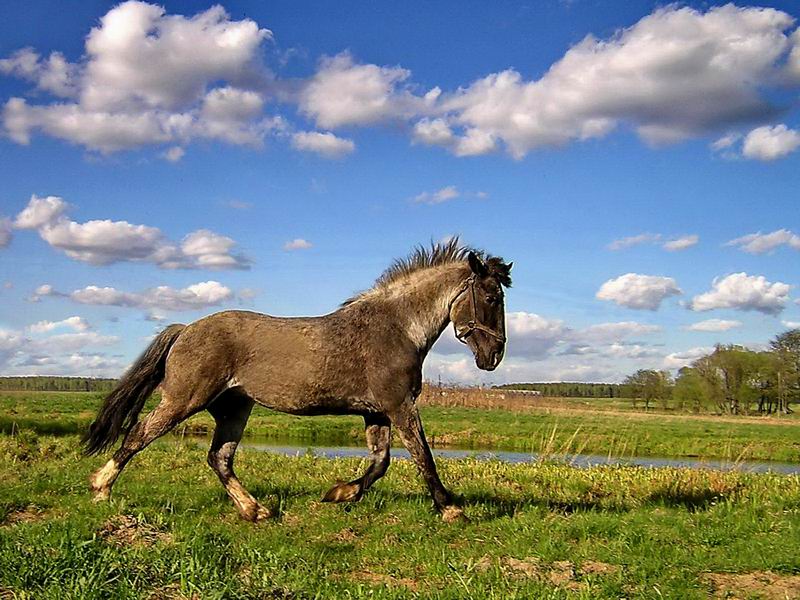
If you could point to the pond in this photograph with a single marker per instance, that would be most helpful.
(577, 460)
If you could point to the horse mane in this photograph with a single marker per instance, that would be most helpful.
(437, 254)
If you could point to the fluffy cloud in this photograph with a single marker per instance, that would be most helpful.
(297, 244)
(741, 291)
(676, 73)
(161, 298)
(325, 144)
(102, 242)
(677, 360)
(714, 325)
(770, 143)
(759, 243)
(60, 354)
(449, 192)
(345, 93)
(146, 78)
(643, 292)
(791, 324)
(54, 74)
(75, 323)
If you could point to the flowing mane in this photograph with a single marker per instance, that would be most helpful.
(435, 255)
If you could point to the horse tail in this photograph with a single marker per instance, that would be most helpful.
(122, 406)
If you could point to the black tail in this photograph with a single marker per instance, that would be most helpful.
(121, 408)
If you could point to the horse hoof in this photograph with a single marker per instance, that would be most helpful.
(453, 514)
(100, 495)
(257, 514)
(343, 492)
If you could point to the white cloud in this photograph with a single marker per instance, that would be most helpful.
(433, 132)
(681, 243)
(174, 154)
(75, 323)
(444, 194)
(60, 354)
(146, 78)
(345, 93)
(759, 243)
(102, 242)
(325, 144)
(162, 298)
(676, 73)
(54, 75)
(40, 212)
(741, 291)
(297, 244)
(714, 325)
(643, 292)
(770, 143)
(672, 245)
(677, 360)
(791, 324)
(634, 240)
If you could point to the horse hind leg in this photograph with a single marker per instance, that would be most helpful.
(379, 437)
(167, 414)
(231, 411)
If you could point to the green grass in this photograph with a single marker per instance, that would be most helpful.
(546, 430)
(657, 532)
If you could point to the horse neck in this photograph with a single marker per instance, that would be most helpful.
(423, 300)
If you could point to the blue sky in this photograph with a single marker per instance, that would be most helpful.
(157, 149)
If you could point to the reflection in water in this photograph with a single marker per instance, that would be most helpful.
(578, 460)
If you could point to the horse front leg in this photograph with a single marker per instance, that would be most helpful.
(379, 436)
(409, 426)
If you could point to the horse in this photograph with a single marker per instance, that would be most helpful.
(363, 359)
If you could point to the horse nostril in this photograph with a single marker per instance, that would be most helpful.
(495, 358)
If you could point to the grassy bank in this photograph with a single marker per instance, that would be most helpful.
(536, 531)
(567, 427)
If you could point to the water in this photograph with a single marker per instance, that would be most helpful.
(577, 460)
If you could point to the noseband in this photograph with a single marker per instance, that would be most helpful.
(473, 324)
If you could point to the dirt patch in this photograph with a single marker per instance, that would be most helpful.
(128, 530)
(561, 573)
(27, 514)
(759, 584)
(595, 567)
(387, 580)
(346, 536)
(170, 592)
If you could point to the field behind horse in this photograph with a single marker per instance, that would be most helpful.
(477, 419)
(536, 530)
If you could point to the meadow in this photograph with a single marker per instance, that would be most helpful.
(536, 530)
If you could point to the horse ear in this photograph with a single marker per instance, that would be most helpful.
(477, 265)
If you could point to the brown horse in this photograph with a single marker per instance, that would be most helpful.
(363, 359)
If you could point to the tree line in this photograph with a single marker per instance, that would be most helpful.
(570, 389)
(732, 380)
(56, 384)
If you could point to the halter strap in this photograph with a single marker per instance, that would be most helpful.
(473, 324)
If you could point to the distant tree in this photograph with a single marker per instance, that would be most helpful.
(786, 347)
(649, 386)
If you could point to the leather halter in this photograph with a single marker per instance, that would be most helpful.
(473, 324)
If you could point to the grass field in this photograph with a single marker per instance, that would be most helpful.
(542, 426)
(535, 531)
